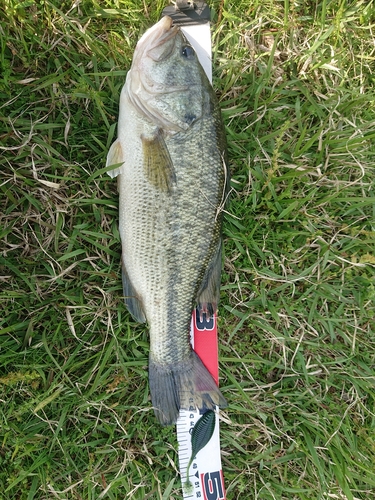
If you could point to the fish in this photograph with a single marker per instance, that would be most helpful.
(170, 159)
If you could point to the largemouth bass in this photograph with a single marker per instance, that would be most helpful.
(170, 159)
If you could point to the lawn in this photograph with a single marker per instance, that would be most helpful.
(297, 313)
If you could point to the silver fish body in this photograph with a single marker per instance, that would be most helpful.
(170, 159)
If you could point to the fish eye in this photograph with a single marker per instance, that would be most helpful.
(188, 52)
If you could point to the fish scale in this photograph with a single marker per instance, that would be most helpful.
(183, 287)
(183, 208)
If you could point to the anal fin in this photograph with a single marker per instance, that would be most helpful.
(132, 301)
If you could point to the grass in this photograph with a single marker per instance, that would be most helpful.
(297, 326)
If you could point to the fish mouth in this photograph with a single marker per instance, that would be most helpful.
(152, 43)
(142, 88)
(157, 43)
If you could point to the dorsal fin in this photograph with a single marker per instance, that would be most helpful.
(209, 293)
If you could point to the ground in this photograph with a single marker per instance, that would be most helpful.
(296, 317)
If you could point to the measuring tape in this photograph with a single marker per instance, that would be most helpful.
(198, 435)
(201, 475)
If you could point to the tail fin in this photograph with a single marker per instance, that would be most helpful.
(185, 385)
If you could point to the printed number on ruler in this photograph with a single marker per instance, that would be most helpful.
(213, 485)
(202, 323)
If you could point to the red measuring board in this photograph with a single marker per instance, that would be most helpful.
(205, 473)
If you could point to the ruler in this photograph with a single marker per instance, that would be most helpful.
(203, 478)
(201, 475)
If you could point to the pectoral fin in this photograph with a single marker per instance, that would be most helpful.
(132, 301)
(158, 164)
(209, 293)
(115, 157)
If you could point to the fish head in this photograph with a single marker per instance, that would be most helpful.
(166, 81)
